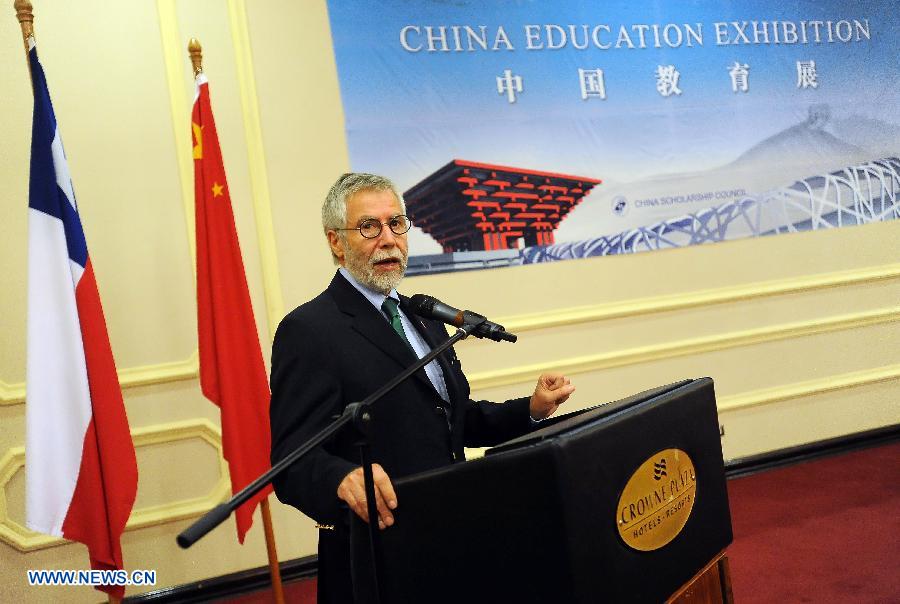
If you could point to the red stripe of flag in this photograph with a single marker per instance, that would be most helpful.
(107, 480)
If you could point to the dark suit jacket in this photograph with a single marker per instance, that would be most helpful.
(337, 349)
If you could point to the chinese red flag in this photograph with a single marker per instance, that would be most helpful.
(232, 373)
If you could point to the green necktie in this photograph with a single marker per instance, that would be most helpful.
(389, 306)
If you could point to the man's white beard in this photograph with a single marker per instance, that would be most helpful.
(363, 270)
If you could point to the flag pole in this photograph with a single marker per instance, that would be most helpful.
(196, 53)
(26, 22)
(274, 569)
(25, 16)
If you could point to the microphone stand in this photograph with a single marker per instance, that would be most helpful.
(358, 414)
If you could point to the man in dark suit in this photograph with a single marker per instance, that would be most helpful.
(340, 347)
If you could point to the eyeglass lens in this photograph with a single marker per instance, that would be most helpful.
(371, 228)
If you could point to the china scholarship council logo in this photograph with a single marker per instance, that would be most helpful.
(619, 205)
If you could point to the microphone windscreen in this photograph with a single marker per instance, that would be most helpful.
(422, 305)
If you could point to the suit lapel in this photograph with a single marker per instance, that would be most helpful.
(369, 322)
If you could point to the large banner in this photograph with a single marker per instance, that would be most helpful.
(536, 131)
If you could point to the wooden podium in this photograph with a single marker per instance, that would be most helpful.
(623, 502)
(710, 586)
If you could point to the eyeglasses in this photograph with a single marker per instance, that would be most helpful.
(371, 228)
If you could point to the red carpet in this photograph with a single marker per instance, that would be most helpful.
(298, 592)
(821, 531)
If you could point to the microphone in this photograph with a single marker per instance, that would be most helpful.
(432, 308)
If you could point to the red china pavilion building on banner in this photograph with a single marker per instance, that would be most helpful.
(468, 206)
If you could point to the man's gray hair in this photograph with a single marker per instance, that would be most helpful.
(334, 210)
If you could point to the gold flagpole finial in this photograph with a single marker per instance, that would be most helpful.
(26, 19)
(196, 52)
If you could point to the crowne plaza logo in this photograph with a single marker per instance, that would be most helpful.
(657, 500)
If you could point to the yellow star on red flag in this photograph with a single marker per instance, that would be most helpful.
(217, 189)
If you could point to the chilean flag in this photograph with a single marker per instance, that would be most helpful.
(80, 468)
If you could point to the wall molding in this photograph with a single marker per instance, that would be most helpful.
(162, 373)
(831, 383)
(174, 57)
(746, 466)
(256, 160)
(11, 394)
(655, 304)
(777, 394)
(689, 346)
(131, 377)
(25, 540)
